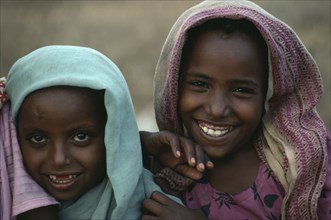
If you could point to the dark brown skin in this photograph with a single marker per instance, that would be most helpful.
(176, 152)
(162, 207)
(40, 134)
(42, 213)
(57, 142)
(182, 155)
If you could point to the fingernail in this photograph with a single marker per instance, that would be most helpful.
(193, 160)
(201, 166)
(178, 153)
(210, 164)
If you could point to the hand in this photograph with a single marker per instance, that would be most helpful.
(176, 152)
(160, 207)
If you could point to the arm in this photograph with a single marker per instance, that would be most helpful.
(161, 207)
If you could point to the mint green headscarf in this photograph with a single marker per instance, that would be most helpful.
(120, 195)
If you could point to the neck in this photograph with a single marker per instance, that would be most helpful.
(236, 172)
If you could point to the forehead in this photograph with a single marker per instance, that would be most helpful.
(213, 46)
(63, 99)
(226, 59)
(226, 29)
(67, 94)
(213, 38)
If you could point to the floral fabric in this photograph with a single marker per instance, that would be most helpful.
(262, 200)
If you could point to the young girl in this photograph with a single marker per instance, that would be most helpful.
(239, 83)
(77, 132)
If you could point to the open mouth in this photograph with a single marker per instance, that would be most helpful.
(214, 131)
(62, 179)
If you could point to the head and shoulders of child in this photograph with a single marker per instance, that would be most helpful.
(222, 89)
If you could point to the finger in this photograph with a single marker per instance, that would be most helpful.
(151, 207)
(169, 160)
(167, 139)
(203, 161)
(209, 163)
(161, 198)
(189, 150)
(201, 158)
(188, 171)
(174, 144)
(146, 207)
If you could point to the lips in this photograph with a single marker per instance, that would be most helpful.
(213, 130)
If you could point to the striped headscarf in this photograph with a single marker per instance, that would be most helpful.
(293, 138)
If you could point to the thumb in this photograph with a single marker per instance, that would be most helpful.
(188, 171)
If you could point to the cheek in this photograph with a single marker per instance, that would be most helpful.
(94, 159)
(185, 106)
(250, 111)
(33, 160)
(188, 102)
(96, 169)
(32, 157)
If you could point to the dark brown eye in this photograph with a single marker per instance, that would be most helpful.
(243, 90)
(199, 84)
(81, 137)
(38, 139)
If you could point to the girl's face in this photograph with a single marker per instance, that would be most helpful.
(222, 92)
(61, 134)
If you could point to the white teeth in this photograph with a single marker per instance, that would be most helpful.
(218, 133)
(62, 180)
(214, 132)
(211, 132)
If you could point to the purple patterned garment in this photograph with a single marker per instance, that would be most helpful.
(293, 141)
(262, 200)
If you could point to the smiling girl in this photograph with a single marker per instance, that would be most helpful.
(236, 91)
(78, 136)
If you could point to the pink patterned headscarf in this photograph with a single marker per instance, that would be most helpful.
(18, 192)
(293, 139)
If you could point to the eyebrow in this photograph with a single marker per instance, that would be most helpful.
(234, 81)
(246, 82)
(198, 74)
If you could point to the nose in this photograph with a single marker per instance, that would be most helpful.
(60, 154)
(218, 104)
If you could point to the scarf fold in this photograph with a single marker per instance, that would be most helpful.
(94, 199)
(293, 140)
(25, 194)
(121, 194)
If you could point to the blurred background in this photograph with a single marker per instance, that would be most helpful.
(132, 33)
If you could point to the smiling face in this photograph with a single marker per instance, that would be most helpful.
(222, 90)
(61, 135)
